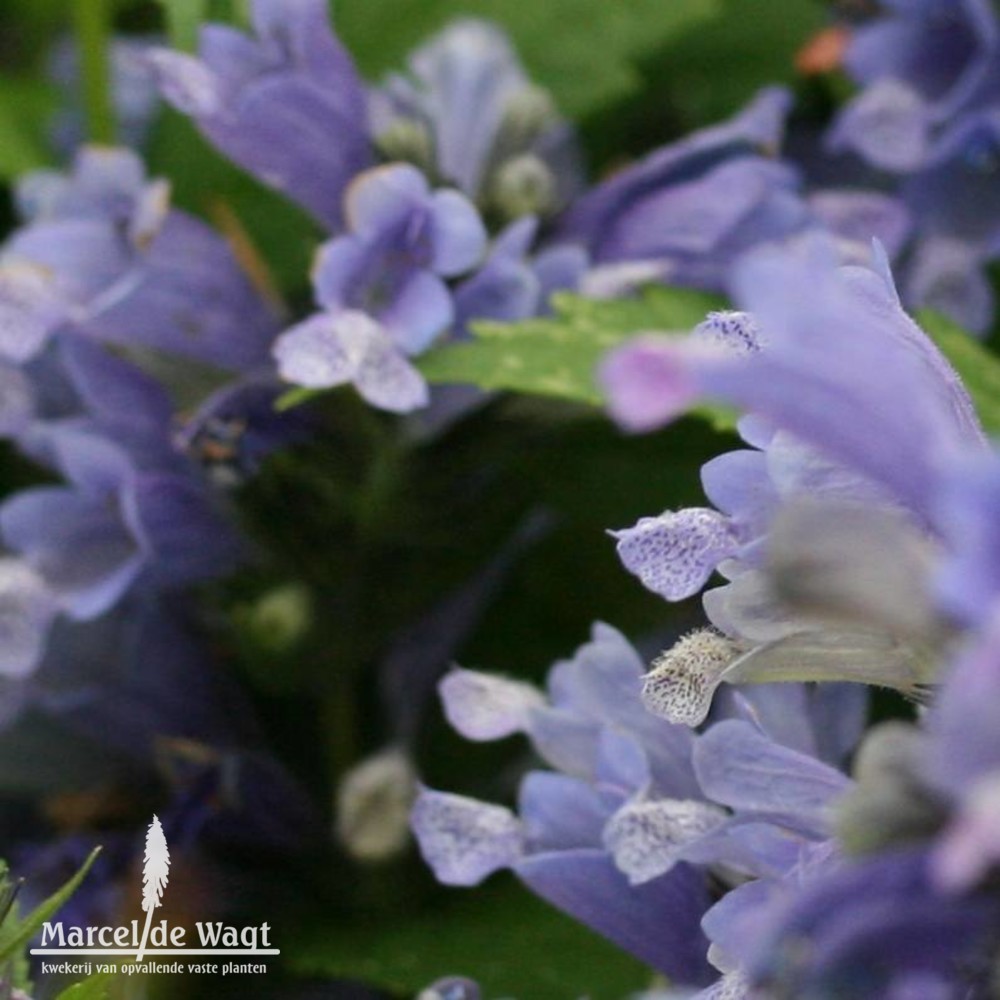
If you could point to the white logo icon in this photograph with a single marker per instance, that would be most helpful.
(155, 872)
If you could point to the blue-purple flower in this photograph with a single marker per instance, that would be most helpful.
(514, 282)
(942, 49)
(102, 254)
(622, 834)
(925, 118)
(686, 212)
(113, 523)
(382, 288)
(922, 824)
(286, 105)
(854, 418)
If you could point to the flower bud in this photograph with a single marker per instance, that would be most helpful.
(523, 185)
(406, 140)
(373, 806)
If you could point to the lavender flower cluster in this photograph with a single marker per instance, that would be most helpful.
(726, 813)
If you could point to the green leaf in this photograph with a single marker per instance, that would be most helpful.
(25, 106)
(713, 72)
(96, 987)
(585, 51)
(296, 397)
(512, 943)
(558, 356)
(978, 367)
(16, 936)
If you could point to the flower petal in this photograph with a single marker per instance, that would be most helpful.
(464, 840)
(675, 554)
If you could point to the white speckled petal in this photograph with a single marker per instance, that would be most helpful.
(312, 354)
(675, 554)
(683, 679)
(464, 840)
(387, 380)
(737, 332)
(644, 837)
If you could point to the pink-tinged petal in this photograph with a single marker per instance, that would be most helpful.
(647, 382)
(675, 554)
(483, 707)
(464, 840)
(970, 847)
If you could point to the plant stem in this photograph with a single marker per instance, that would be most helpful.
(183, 20)
(93, 29)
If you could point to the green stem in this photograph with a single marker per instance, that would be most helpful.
(93, 36)
(339, 716)
(358, 595)
(184, 17)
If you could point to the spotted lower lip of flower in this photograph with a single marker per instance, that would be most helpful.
(683, 681)
(647, 839)
(332, 349)
(675, 554)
